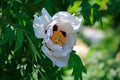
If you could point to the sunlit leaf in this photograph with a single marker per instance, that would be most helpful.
(75, 7)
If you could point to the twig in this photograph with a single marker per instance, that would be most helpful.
(39, 71)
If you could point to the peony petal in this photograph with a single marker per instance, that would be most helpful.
(61, 14)
(48, 34)
(46, 50)
(76, 22)
(39, 26)
(59, 51)
(71, 40)
(66, 49)
(46, 15)
(58, 61)
(61, 61)
(54, 47)
(65, 26)
(73, 20)
(40, 23)
(64, 52)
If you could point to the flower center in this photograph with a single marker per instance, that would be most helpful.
(58, 37)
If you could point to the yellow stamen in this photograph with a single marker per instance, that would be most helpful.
(58, 38)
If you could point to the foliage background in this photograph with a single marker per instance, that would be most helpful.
(20, 54)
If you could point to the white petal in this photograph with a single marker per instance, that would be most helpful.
(46, 15)
(46, 51)
(76, 23)
(58, 61)
(39, 25)
(61, 61)
(73, 20)
(67, 47)
(71, 40)
(47, 35)
(39, 20)
(61, 14)
(64, 52)
(59, 51)
(54, 47)
(65, 26)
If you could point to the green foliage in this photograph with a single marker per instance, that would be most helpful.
(101, 55)
(75, 63)
(91, 13)
(86, 11)
(19, 41)
(20, 52)
(8, 36)
(21, 57)
(96, 13)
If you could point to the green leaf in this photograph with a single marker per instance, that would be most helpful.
(5, 37)
(96, 13)
(71, 2)
(36, 53)
(23, 19)
(49, 6)
(11, 37)
(96, 6)
(76, 64)
(19, 42)
(38, 1)
(74, 8)
(8, 36)
(86, 12)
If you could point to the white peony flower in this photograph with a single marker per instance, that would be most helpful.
(58, 33)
